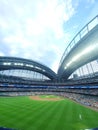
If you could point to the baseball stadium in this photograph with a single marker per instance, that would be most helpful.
(34, 97)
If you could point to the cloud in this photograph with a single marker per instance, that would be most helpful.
(34, 29)
(1, 54)
(91, 1)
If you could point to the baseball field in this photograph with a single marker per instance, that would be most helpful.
(45, 113)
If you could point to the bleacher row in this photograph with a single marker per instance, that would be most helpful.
(88, 100)
(85, 94)
(71, 82)
(86, 91)
(16, 84)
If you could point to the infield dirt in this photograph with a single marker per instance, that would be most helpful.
(45, 99)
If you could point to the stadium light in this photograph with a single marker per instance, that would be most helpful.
(7, 63)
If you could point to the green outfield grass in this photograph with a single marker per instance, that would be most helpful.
(23, 113)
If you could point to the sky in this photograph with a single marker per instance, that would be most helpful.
(41, 30)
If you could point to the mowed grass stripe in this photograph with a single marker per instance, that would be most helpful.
(8, 113)
(20, 105)
(88, 116)
(21, 108)
(47, 120)
(52, 118)
(85, 114)
(18, 114)
(65, 116)
(26, 114)
(23, 119)
(47, 116)
(34, 120)
(82, 117)
(14, 104)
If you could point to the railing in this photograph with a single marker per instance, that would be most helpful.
(87, 28)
